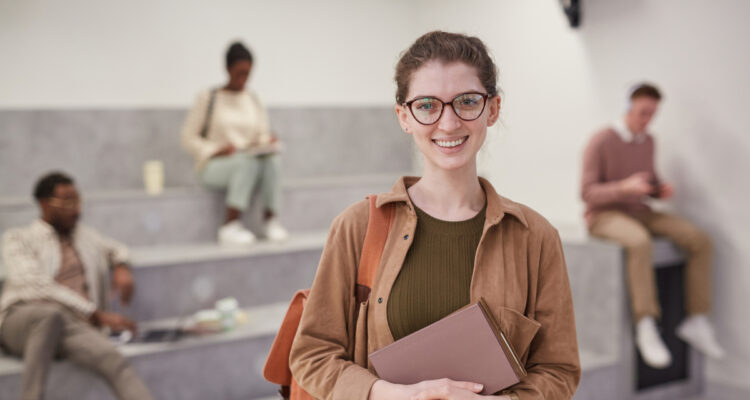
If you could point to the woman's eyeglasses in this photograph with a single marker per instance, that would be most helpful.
(428, 110)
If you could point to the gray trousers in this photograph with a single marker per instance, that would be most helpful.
(38, 331)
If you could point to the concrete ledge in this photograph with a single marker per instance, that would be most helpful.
(119, 141)
(221, 366)
(180, 370)
(193, 215)
(197, 276)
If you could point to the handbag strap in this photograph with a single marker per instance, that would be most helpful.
(209, 112)
(378, 225)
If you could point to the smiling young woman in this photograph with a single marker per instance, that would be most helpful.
(453, 240)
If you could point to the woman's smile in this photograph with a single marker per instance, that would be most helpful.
(451, 145)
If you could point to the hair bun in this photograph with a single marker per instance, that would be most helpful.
(238, 52)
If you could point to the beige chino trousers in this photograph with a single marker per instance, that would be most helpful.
(39, 331)
(634, 233)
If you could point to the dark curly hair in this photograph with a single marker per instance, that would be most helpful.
(45, 186)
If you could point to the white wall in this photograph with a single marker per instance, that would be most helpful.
(141, 53)
(562, 84)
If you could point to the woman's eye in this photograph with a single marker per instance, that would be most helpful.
(425, 106)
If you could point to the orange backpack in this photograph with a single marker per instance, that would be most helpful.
(276, 369)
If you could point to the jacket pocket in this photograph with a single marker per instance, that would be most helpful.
(519, 330)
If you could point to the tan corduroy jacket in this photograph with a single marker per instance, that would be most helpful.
(519, 270)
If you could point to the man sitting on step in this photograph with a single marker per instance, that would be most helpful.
(618, 174)
(56, 290)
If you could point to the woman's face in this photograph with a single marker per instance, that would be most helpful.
(450, 143)
(239, 71)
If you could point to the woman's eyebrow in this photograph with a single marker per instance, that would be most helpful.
(417, 97)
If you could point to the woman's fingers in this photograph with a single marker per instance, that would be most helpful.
(446, 389)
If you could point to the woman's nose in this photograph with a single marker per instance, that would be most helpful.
(449, 120)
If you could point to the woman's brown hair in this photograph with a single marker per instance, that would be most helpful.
(446, 47)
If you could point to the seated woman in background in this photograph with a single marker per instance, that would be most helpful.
(452, 241)
(228, 133)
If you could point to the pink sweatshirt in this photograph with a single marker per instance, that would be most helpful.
(608, 159)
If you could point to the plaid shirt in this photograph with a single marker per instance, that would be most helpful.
(32, 260)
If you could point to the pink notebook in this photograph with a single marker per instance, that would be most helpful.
(464, 346)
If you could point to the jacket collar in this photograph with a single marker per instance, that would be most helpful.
(43, 227)
(497, 206)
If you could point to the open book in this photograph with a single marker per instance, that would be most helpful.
(464, 346)
(264, 149)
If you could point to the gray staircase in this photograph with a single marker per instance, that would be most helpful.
(263, 278)
(334, 157)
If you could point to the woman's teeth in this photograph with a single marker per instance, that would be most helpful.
(451, 143)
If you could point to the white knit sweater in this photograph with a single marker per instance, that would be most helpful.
(238, 118)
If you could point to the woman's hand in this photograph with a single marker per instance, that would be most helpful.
(665, 191)
(227, 150)
(452, 393)
(439, 389)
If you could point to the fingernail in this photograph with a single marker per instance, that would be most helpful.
(478, 386)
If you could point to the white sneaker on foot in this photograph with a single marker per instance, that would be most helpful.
(650, 344)
(274, 230)
(698, 333)
(234, 234)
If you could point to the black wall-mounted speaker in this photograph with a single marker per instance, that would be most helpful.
(572, 9)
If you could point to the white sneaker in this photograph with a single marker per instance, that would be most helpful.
(234, 234)
(274, 230)
(650, 344)
(698, 333)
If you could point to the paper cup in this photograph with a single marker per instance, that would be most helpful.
(153, 177)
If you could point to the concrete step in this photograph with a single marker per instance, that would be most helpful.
(192, 215)
(220, 366)
(716, 391)
(601, 377)
(105, 149)
(180, 280)
(223, 366)
(598, 282)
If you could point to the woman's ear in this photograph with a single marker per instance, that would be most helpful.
(403, 117)
(495, 102)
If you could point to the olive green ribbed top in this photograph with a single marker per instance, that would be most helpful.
(436, 276)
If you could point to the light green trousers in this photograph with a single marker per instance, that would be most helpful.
(240, 173)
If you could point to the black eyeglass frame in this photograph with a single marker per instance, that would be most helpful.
(485, 97)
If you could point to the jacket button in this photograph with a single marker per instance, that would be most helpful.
(406, 237)
(380, 300)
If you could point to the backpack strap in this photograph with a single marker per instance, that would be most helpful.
(209, 111)
(276, 369)
(378, 225)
